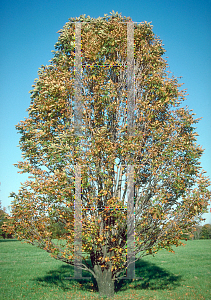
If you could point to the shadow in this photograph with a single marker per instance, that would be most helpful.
(8, 240)
(154, 278)
(57, 278)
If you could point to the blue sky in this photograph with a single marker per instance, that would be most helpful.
(28, 31)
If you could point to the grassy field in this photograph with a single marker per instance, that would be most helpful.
(27, 272)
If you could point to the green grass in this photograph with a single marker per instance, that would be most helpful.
(30, 273)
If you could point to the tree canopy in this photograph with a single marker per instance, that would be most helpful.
(170, 189)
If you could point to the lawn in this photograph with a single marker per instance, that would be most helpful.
(30, 273)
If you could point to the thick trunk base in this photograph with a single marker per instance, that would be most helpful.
(104, 282)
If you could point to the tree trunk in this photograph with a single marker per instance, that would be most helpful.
(104, 281)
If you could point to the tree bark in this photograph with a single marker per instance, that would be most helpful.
(104, 281)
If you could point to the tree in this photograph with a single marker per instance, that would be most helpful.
(197, 232)
(3, 219)
(206, 232)
(170, 191)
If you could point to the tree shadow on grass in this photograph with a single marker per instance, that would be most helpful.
(57, 278)
(8, 240)
(154, 278)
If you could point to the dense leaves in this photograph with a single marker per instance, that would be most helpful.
(170, 189)
(3, 220)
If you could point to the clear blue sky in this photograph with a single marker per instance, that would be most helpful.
(28, 32)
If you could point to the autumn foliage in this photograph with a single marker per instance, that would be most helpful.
(3, 220)
(171, 190)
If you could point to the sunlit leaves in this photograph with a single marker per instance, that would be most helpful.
(163, 150)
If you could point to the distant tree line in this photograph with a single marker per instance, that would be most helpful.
(200, 233)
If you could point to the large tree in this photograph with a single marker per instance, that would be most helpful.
(170, 190)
